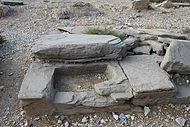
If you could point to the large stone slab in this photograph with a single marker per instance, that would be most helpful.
(147, 79)
(79, 47)
(12, 2)
(177, 58)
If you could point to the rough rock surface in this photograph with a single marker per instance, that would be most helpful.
(147, 79)
(177, 58)
(3, 10)
(156, 46)
(78, 9)
(131, 42)
(82, 48)
(12, 2)
(142, 50)
(140, 4)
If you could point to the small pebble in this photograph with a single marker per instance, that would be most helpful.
(146, 110)
(66, 124)
(59, 121)
(37, 118)
(1, 88)
(116, 117)
(84, 120)
(10, 74)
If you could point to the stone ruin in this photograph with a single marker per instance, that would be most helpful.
(78, 73)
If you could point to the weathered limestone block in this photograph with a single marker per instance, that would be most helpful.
(156, 46)
(148, 80)
(126, 95)
(145, 37)
(79, 47)
(142, 50)
(177, 58)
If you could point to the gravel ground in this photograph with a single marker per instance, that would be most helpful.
(24, 24)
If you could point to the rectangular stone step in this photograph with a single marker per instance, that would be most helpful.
(147, 79)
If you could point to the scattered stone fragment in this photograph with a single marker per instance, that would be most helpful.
(187, 81)
(37, 118)
(122, 96)
(140, 4)
(122, 116)
(146, 110)
(177, 58)
(59, 121)
(66, 124)
(57, 116)
(1, 73)
(22, 113)
(181, 121)
(12, 2)
(132, 117)
(102, 121)
(128, 116)
(10, 74)
(27, 124)
(115, 116)
(142, 50)
(84, 120)
(1, 88)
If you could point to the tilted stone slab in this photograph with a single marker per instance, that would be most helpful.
(147, 79)
(158, 32)
(79, 47)
(177, 58)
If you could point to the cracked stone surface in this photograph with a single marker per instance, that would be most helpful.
(79, 47)
(147, 79)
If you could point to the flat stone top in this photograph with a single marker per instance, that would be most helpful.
(145, 75)
(62, 39)
(79, 47)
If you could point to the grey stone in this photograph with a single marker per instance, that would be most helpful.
(78, 9)
(158, 32)
(149, 82)
(166, 4)
(12, 2)
(181, 4)
(84, 120)
(177, 58)
(144, 37)
(4, 10)
(156, 46)
(1, 88)
(164, 33)
(142, 50)
(166, 40)
(140, 4)
(131, 42)
(79, 47)
(146, 110)
(181, 121)
(121, 96)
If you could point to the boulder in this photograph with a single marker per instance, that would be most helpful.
(177, 58)
(78, 9)
(140, 4)
(79, 47)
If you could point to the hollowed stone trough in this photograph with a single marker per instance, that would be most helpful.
(50, 88)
